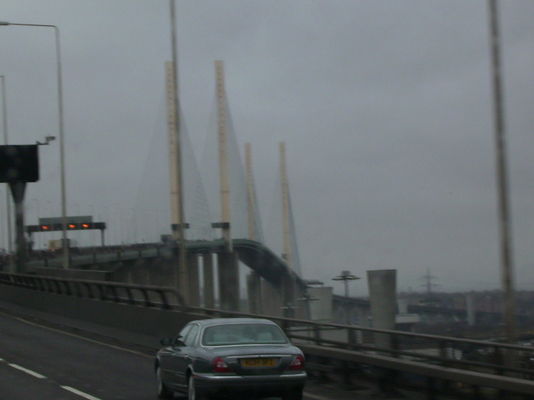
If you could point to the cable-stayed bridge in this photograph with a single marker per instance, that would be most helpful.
(215, 260)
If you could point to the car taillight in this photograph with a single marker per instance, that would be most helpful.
(297, 364)
(218, 365)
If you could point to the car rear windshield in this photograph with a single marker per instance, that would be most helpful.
(232, 334)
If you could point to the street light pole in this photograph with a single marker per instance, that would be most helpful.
(61, 134)
(346, 276)
(507, 268)
(183, 273)
(6, 140)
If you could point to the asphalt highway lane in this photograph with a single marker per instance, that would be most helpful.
(95, 369)
(37, 362)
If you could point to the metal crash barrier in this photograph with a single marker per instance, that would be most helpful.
(143, 295)
(343, 350)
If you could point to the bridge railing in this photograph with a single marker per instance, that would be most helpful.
(144, 295)
(342, 348)
(96, 255)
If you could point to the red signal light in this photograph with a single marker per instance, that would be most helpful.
(71, 226)
(85, 226)
(45, 227)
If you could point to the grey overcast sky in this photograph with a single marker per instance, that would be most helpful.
(384, 105)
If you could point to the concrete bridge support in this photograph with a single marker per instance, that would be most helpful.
(193, 279)
(254, 290)
(209, 288)
(271, 299)
(228, 269)
(383, 299)
(288, 287)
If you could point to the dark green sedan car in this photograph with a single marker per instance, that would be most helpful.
(230, 357)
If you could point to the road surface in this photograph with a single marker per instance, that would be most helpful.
(40, 362)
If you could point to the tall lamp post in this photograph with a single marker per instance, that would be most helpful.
(346, 276)
(507, 267)
(6, 140)
(183, 273)
(61, 134)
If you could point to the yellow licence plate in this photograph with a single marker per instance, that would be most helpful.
(258, 362)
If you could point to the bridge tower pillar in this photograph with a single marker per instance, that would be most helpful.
(383, 300)
(193, 279)
(228, 269)
(254, 230)
(209, 290)
(271, 299)
(254, 288)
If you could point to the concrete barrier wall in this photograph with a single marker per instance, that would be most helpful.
(155, 323)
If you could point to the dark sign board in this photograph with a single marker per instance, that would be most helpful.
(19, 163)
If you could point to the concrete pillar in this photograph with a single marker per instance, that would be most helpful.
(193, 281)
(382, 296)
(470, 309)
(271, 299)
(228, 281)
(288, 295)
(209, 291)
(403, 306)
(254, 293)
(303, 307)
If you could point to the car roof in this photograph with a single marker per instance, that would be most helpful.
(229, 321)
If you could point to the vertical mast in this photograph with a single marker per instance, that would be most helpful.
(506, 248)
(251, 206)
(224, 179)
(173, 147)
(285, 206)
(180, 231)
(6, 140)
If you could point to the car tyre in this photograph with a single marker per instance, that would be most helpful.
(192, 392)
(163, 391)
(295, 394)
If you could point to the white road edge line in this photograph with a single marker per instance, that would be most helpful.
(314, 396)
(76, 336)
(28, 371)
(80, 393)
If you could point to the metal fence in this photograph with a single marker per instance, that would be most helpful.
(337, 348)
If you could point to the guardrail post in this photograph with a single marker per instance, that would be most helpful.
(317, 334)
(102, 292)
(443, 352)
(113, 290)
(164, 302)
(148, 303)
(66, 285)
(131, 299)
(351, 339)
(395, 345)
(56, 286)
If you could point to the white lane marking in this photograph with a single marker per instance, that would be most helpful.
(28, 371)
(77, 336)
(314, 396)
(80, 393)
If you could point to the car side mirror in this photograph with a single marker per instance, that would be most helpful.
(178, 342)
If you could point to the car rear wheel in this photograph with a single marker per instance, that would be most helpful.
(295, 394)
(163, 392)
(192, 392)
